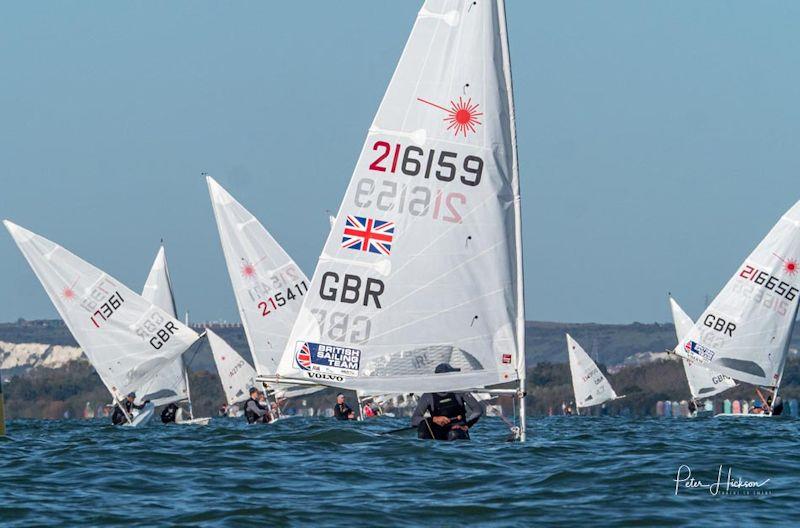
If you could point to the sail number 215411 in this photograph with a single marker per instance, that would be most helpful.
(273, 302)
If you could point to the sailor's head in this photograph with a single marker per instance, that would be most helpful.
(443, 368)
(131, 396)
(340, 398)
(253, 392)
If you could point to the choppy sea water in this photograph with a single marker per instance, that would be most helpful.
(593, 471)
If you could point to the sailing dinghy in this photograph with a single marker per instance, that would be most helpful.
(170, 384)
(423, 265)
(267, 284)
(126, 338)
(590, 385)
(703, 383)
(744, 333)
(236, 374)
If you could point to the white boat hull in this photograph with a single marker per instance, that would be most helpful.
(194, 421)
(142, 417)
(740, 415)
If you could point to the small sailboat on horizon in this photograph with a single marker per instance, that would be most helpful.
(235, 373)
(589, 384)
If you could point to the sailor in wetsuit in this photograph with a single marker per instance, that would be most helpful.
(118, 418)
(449, 417)
(777, 407)
(341, 411)
(169, 413)
(254, 412)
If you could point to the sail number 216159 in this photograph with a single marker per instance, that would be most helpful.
(442, 165)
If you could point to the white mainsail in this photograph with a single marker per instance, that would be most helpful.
(268, 285)
(236, 374)
(589, 383)
(126, 338)
(424, 263)
(703, 383)
(744, 333)
(171, 383)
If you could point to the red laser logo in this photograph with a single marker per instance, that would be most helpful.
(461, 116)
(789, 265)
(248, 270)
(69, 292)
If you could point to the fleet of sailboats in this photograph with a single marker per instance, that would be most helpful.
(128, 339)
(422, 267)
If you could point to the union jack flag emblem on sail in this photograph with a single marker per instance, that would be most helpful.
(304, 357)
(368, 234)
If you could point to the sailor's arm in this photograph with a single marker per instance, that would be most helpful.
(424, 403)
(474, 408)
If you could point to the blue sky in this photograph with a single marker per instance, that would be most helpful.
(658, 141)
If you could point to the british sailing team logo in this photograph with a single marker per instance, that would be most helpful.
(462, 116)
(697, 350)
(304, 357)
(327, 359)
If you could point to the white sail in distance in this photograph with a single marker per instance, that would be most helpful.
(744, 333)
(589, 383)
(236, 374)
(171, 383)
(423, 265)
(703, 383)
(126, 338)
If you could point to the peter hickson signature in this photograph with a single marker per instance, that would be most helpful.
(684, 479)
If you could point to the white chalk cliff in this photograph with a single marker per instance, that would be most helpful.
(16, 358)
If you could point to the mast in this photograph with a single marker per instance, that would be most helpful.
(188, 392)
(521, 364)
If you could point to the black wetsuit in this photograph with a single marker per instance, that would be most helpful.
(777, 407)
(169, 413)
(342, 412)
(118, 418)
(692, 406)
(451, 405)
(254, 412)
